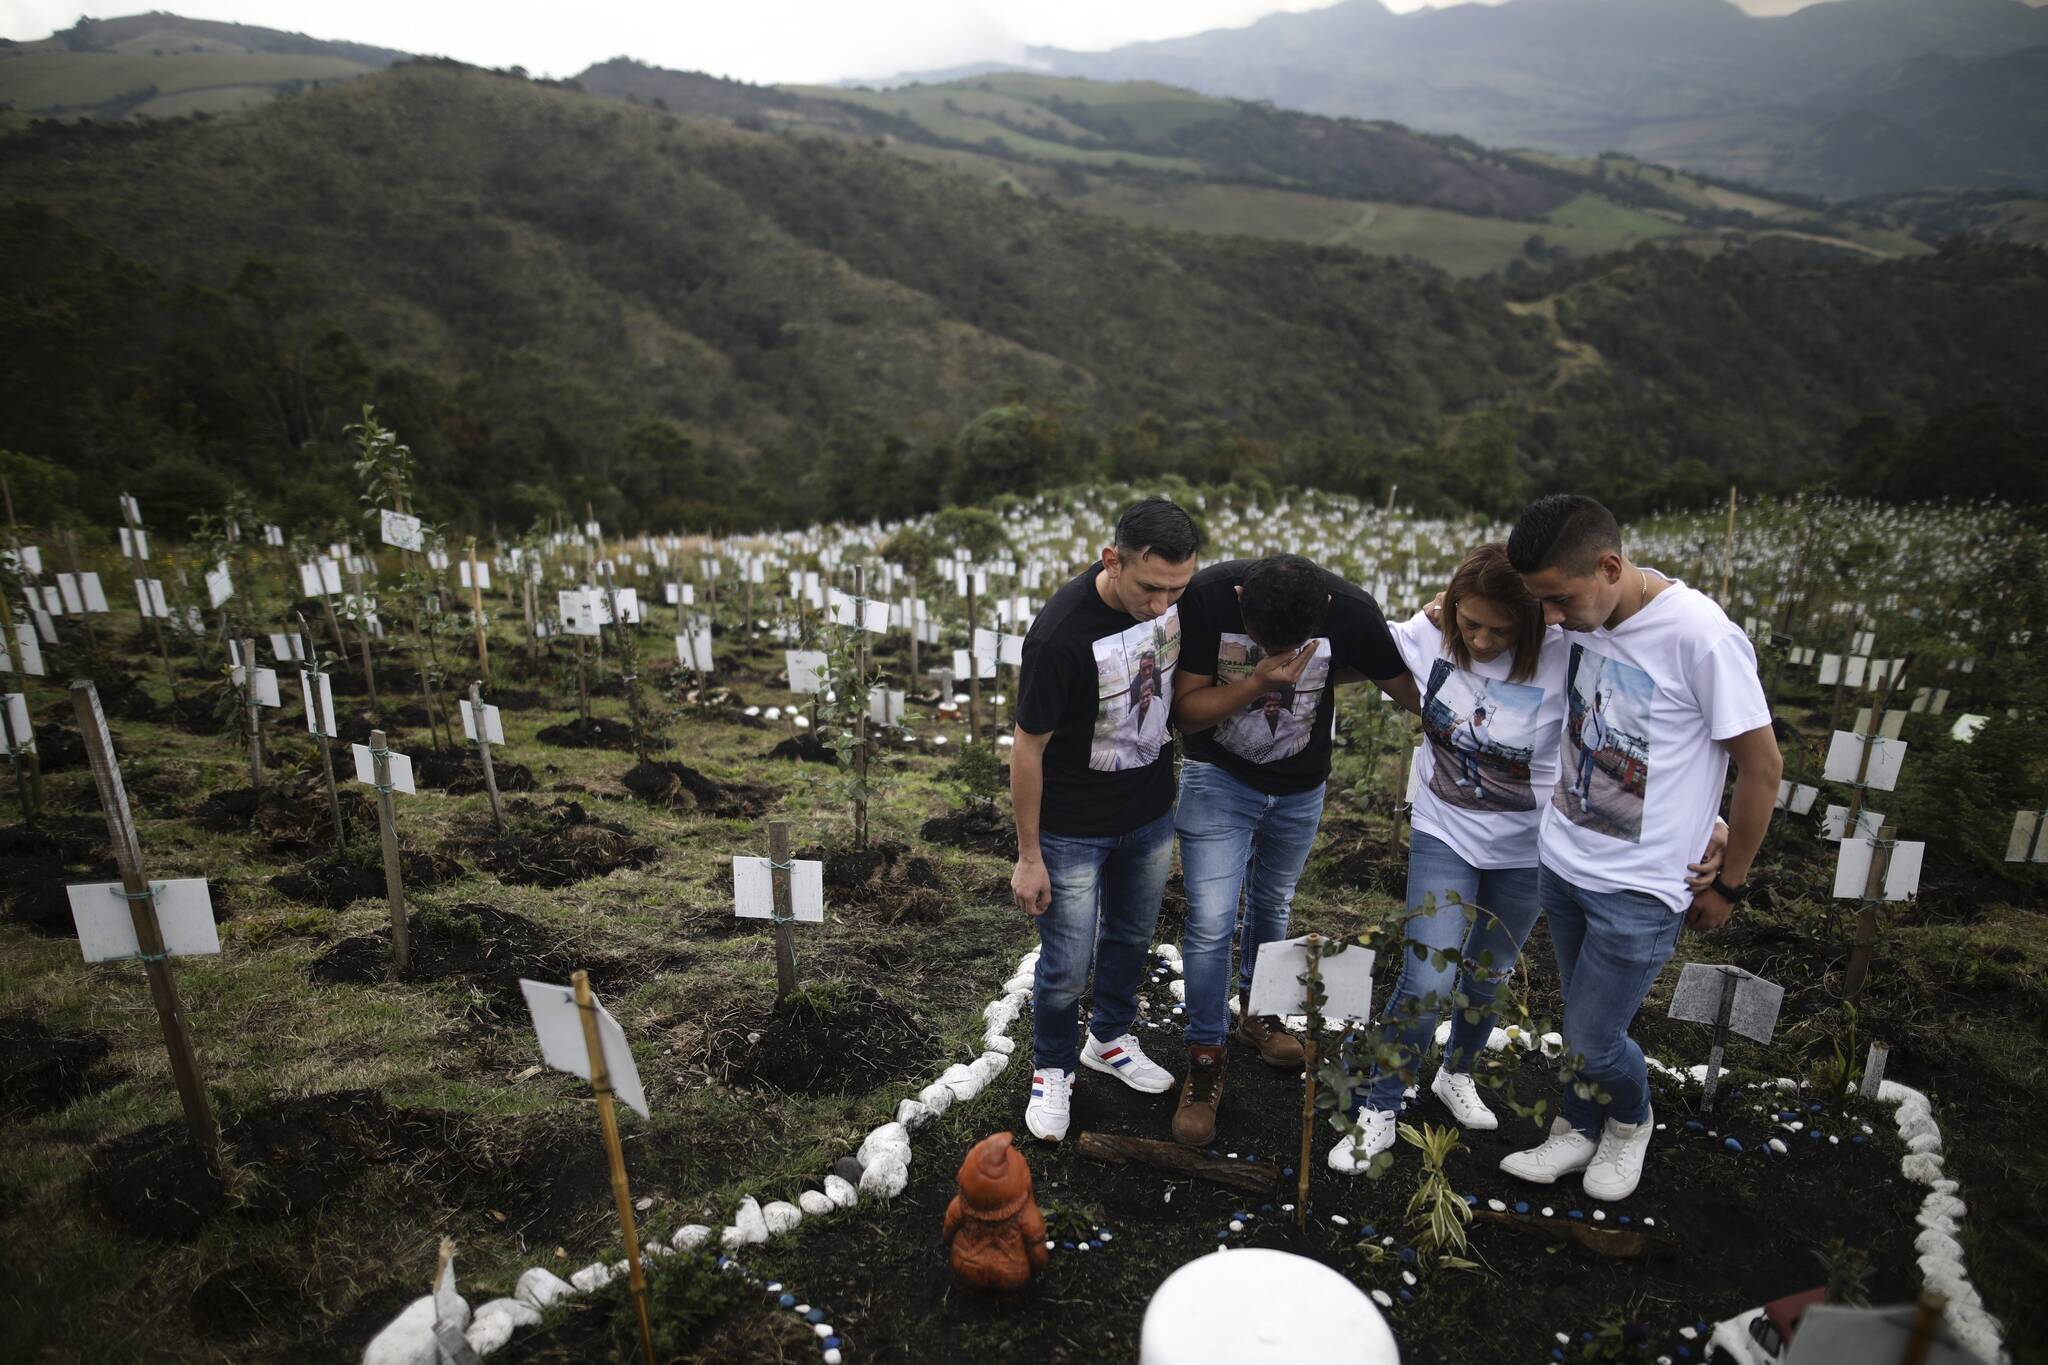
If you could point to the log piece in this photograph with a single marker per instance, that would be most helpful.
(1245, 1177)
(1615, 1243)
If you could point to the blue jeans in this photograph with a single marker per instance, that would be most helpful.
(1610, 946)
(1468, 957)
(1228, 830)
(1105, 904)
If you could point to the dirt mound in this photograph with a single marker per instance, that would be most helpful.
(596, 733)
(488, 948)
(559, 846)
(461, 773)
(35, 862)
(681, 787)
(43, 1071)
(805, 748)
(59, 748)
(835, 1037)
(290, 1158)
(901, 886)
(977, 829)
(337, 884)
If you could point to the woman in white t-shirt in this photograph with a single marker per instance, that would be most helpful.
(1492, 678)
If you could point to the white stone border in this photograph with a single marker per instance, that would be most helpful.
(884, 1159)
(1940, 1216)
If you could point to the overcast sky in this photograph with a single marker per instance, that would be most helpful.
(755, 40)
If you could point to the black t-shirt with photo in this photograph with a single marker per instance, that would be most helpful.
(1280, 743)
(1100, 682)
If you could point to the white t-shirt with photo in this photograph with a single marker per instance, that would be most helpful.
(1673, 682)
(1496, 825)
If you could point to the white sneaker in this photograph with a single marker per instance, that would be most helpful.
(1052, 1093)
(1352, 1158)
(1618, 1164)
(1566, 1150)
(1124, 1059)
(1460, 1094)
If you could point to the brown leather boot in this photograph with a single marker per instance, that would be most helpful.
(1194, 1120)
(1265, 1033)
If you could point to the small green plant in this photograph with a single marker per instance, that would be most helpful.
(976, 773)
(1848, 1272)
(686, 1294)
(1838, 1074)
(1437, 1213)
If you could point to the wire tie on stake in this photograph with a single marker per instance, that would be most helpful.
(147, 894)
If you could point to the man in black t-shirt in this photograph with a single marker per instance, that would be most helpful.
(1091, 781)
(1263, 644)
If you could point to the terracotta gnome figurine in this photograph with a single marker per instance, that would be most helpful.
(993, 1224)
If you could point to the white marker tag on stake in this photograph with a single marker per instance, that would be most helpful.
(21, 732)
(106, 929)
(1830, 669)
(326, 700)
(95, 595)
(220, 585)
(1277, 987)
(693, 650)
(1012, 651)
(1901, 874)
(806, 669)
(874, 617)
(400, 531)
(266, 687)
(330, 578)
(28, 653)
(2029, 841)
(67, 590)
(1845, 759)
(494, 730)
(401, 769)
(753, 889)
(558, 1024)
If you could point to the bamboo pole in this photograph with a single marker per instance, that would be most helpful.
(387, 829)
(324, 731)
(785, 935)
(608, 1123)
(483, 753)
(255, 715)
(1864, 946)
(476, 610)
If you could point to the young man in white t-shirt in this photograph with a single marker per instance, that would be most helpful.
(1661, 692)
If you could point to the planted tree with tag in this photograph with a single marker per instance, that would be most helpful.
(384, 467)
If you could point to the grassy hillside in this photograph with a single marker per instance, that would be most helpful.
(164, 66)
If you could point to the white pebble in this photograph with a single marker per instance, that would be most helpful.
(823, 1329)
(1408, 1276)
(1599, 1215)
(832, 1357)
(1383, 1298)
(1689, 1333)
(1340, 1220)
(1649, 1222)
(1236, 1226)
(1549, 1212)
(1497, 1206)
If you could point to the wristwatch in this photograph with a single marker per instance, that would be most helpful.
(1734, 895)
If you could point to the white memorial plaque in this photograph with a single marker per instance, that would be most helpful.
(1012, 651)
(1890, 727)
(579, 610)
(401, 769)
(1830, 669)
(106, 928)
(806, 669)
(984, 666)
(400, 531)
(28, 652)
(1845, 760)
(885, 706)
(493, 729)
(95, 595)
(220, 585)
(753, 889)
(693, 649)
(1753, 1012)
(1796, 797)
(1278, 988)
(483, 575)
(68, 594)
(1901, 874)
(266, 688)
(2028, 844)
(558, 1023)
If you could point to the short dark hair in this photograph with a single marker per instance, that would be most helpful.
(1567, 531)
(1157, 526)
(1283, 596)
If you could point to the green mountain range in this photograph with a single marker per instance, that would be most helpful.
(1818, 102)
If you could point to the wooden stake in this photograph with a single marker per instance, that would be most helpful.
(1926, 1320)
(394, 888)
(1253, 1178)
(608, 1123)
(910, 615)
(1862, 948)
(483, 753)
(476, 609)
(363, 639)
(323, 723)
(70, 540)
(163, 989)
(973, 668)
(860, 715)
(1863, 760)
(1728, 556)
(255, 715)
(785, 927)
(1308, 1089)
(627, 679)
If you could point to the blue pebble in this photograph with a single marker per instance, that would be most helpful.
(1813, 1108)
(1521, 1206)
(1408, 1254)
(1699, 1324)
(1289, 1170)
(1695, 1126)
(1224, 1235)
(1624, 1220)
(1265, 1208)
(1250, 1156)
(831, 1344)
(815, 1316)
(1684, 1353)
(1732, 1144)
(1472, 1201)
(1858, 1140)
(787, 1301)
(1814, 1134)
(1407, 1295)
(1368, 1231)
(1575, 1213)
(1557, 1353)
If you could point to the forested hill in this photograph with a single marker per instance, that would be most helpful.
(559, 299)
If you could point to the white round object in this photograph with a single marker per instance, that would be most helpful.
(1262, 1305)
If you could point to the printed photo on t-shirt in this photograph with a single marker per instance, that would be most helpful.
(1276, 725)
(1606, 748)
(1134, 693)
(1483, 733)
